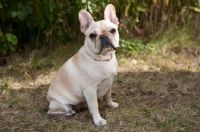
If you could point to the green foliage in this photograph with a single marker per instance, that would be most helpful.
(38, 62)
(11, 15)
(7, 42)
(131, 11)
(23, 10)
(131, 46)
(167, 124)
(4, 86)
(142, 17)
(42, 23)
(36, 23)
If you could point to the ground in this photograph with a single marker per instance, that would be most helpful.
(156, 92)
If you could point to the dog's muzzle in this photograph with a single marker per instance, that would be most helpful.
(105, 43)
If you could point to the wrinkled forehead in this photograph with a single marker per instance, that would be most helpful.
(103, 25)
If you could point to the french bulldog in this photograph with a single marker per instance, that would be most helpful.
(88, 75)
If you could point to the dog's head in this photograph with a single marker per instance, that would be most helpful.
(102, 37)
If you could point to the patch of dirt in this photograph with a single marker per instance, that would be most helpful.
(155, 94)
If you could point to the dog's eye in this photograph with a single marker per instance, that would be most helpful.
(93, 35)
(113, 30)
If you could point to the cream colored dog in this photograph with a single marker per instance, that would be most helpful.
(89, 74)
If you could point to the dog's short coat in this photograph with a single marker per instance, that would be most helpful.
(89, 74)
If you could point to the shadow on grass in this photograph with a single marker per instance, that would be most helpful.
(149, 101)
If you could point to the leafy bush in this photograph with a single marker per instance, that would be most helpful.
(131, 46)
(37, 23)
(12, 13)
(7, 42)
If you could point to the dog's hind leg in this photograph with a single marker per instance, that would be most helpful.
(57, 108)
(68, 109)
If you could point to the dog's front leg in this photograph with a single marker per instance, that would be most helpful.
(91, 98)
(108, 99)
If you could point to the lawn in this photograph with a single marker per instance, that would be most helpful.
(156, 91)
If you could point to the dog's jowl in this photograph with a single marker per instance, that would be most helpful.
(88, 75)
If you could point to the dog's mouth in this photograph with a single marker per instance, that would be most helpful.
(106, 46)
(107, 49)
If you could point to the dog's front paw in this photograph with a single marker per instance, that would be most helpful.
(99, 121)
(113, 105)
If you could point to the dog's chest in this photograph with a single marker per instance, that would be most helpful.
(104, 86)
(108, 69)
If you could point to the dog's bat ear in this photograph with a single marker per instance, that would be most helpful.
(110, 14)
(85, 20)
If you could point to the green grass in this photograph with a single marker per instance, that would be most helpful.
(157, 91)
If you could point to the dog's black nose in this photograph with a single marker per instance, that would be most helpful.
(103, 36)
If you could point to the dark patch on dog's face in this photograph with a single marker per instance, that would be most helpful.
(105, 40)
(105, 43)
(93, 37)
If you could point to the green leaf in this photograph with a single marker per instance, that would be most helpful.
(139, 8)
(19, 5)
(30, 2)
(52, 5)
(198, 3)
(127, 8)
(166, 2)
(195, 9)
(24, 10)
(11, 38)
(50, 17)
(4, 51)
(2, 40)
(21, 15)
(1, 33)
(29, 9)
(11, 47)
(83, 1)
(14, 14)
(1, 6)
(4, 92)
